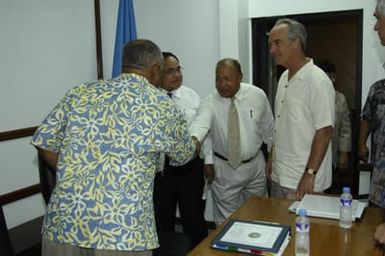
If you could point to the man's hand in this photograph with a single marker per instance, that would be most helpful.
(363, 153)
(343, 160)
(197, 146)
(318, 150)
(365, 130)
(209, 171)
(379, 235)
(305, 185)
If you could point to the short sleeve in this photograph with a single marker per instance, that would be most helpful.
(49, 135)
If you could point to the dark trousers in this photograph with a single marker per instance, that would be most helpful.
(182, 185)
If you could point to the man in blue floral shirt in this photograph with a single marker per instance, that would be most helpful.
(104, 138)
(373, 121)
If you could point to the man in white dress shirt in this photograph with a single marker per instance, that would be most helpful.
(304, 117)
(231, 186)
(180, 185)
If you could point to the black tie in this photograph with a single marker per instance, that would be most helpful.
(166, 159)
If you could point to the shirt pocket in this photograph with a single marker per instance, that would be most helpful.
(294, 110)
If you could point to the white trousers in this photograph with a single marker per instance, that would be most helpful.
(232, 187)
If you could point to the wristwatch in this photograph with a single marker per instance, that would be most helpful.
(310, 171)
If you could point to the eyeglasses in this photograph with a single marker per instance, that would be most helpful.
(173, 71)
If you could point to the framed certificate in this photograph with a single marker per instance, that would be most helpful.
(254, 237)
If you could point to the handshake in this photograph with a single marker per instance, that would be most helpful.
(197, 146)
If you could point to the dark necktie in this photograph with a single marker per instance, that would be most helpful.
(166, 159)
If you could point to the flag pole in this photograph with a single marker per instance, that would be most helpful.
(99, 56)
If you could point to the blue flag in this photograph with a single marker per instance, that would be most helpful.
(125, 32)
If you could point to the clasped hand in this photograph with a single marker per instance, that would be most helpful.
(197, 146)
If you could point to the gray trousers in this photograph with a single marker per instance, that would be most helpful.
(281, 192)
(232, 187)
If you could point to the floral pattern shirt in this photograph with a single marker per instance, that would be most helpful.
(374, 112)
(109, 136)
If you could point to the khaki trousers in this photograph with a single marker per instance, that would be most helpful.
(50, 248)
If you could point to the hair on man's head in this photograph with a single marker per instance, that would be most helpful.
(381, 7)
(229, 61)
(141, 53)
(296, 30)
(169, 54)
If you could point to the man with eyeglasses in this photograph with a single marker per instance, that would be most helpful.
(180, 185)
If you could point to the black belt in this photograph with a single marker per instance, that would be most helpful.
(225, 159)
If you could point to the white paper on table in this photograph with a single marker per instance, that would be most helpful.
(326, 206)
(294, 206)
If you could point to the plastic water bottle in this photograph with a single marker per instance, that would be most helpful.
(302, 239)
(346, 201)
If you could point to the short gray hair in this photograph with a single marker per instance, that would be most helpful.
(229, 61)
(296, 30)
(381, 7)
(141, 54)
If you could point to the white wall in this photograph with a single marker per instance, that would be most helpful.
(46, 47)
(235, 33)
(108, 16)
(187, 28)
(36, 71)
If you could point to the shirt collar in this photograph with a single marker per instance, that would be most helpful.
(302, 71)
(138, 76)
(239, 93)
(175, 93)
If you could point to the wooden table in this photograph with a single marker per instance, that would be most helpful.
(326, 237)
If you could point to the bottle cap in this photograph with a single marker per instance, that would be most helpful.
(302, 212)
(346, 190)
